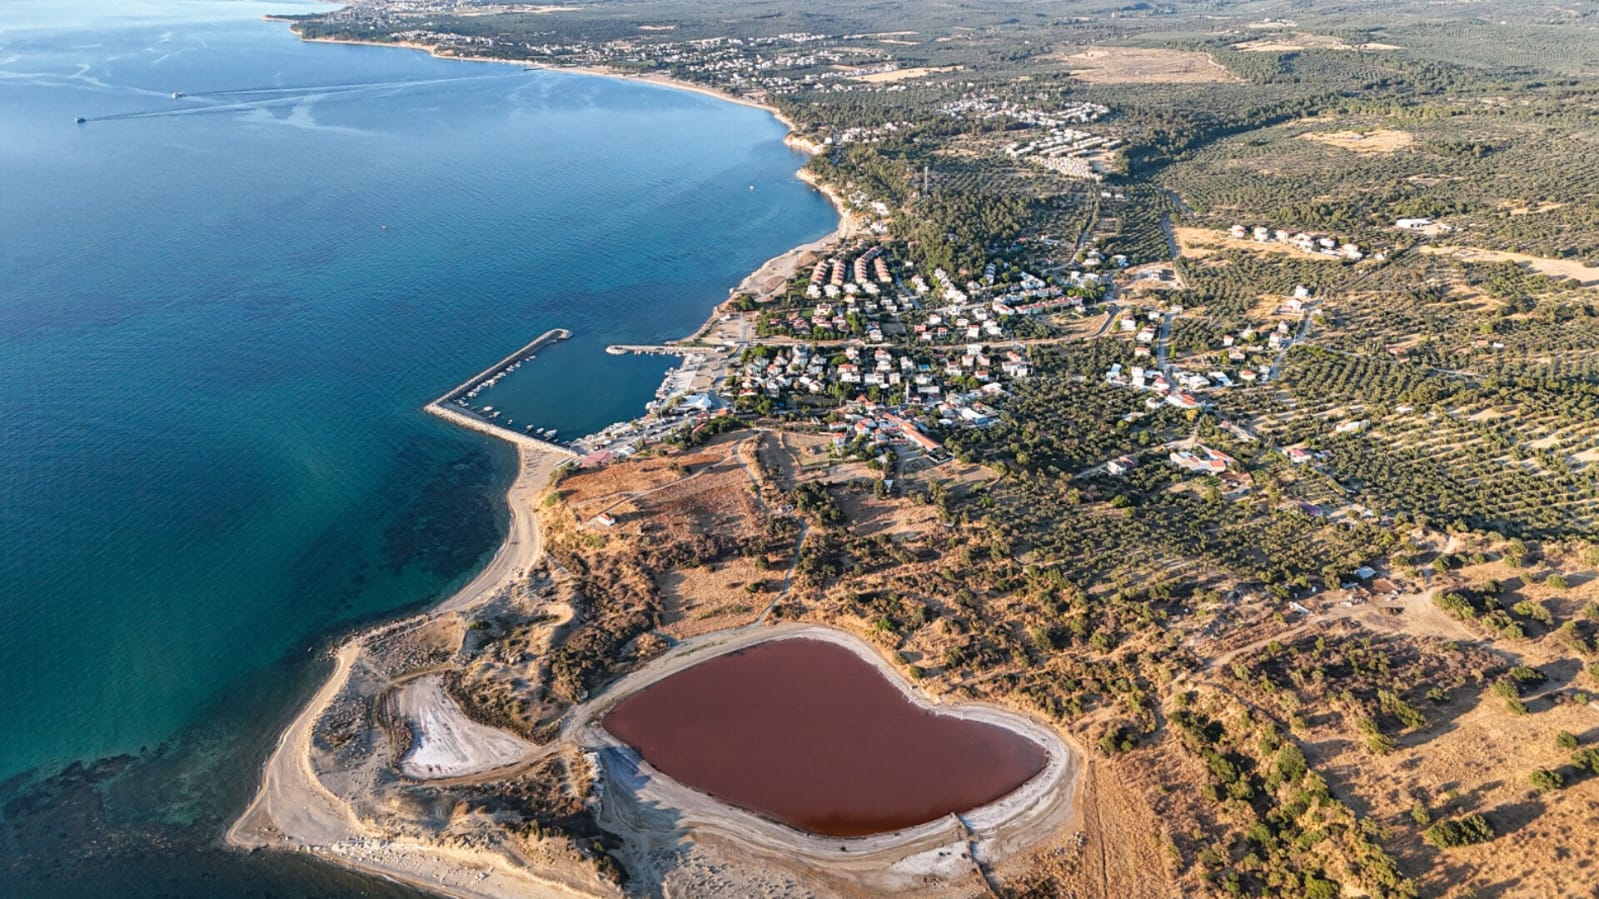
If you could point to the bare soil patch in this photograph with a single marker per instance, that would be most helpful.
(905, 74)
(444, 741)
(1514, 208)
(1379, 142)
(1128, 65)
(1198, 243)
(1299, 40)
(1558, 268)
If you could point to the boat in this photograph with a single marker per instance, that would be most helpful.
(80, 120)
(177, 95)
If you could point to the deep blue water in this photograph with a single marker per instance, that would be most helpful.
(213, 355)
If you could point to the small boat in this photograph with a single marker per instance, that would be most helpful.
(80, 120)
(177, 95)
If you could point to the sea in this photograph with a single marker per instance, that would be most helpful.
(221, 314)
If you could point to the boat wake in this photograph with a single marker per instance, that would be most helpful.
(253, 98)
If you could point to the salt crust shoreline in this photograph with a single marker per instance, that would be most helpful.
(1036, 807)
(292, 809)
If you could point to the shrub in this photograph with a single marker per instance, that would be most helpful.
(1566, 740)
(1317, 888)
(1464, 832)
(1586, 759)
(1290, 763)
(1118, 739)
(1546, 780)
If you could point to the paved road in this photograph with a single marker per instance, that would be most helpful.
(1110, 316)
(1163, 344)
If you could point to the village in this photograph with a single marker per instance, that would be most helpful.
(1062, 149)
(1318, 244)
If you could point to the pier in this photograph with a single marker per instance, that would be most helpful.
(447, 408)
(640, 349)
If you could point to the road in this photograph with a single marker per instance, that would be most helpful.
(1088, 230)
(1185, 443)
(1110, 316)
(1301, 334)
(1171, 237)
(1163, 344)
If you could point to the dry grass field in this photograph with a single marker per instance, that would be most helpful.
(1293, 42)
(1128, 65)
(1380, 141)
(905, 74)
(1558, 268)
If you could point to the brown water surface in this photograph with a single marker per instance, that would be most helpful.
(809, 733)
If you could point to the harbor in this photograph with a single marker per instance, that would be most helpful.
(685, 396)
(458, 406)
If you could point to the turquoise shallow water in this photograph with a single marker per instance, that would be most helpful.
(213, 356)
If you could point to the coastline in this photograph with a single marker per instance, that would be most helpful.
(784, 264)
(767, 278)
(598, 71)
(293, 809)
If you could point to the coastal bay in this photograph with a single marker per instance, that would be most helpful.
(234, 466)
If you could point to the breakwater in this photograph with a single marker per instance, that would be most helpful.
(452, 406)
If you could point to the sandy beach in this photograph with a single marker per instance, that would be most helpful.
(663, 80)
(294, 810)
